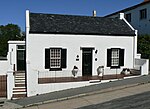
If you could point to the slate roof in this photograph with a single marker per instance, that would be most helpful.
(70, 24)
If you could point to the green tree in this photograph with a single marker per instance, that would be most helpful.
(144, 46)
(8, 32)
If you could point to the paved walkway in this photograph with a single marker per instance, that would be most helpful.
(77, 92)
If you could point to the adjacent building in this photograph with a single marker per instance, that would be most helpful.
(138, 16)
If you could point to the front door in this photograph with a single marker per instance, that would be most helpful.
(87, 62)
(21, 58)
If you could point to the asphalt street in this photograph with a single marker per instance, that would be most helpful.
(138, 101)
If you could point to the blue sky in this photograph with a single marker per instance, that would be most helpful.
(13, 11)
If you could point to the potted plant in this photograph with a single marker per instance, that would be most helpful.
(100, 70)
(75, 71)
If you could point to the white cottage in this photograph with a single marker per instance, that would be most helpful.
(67, 51)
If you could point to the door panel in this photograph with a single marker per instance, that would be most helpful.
(87, 62)
(20, 60)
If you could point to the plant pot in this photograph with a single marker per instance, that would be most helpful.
(75, 71)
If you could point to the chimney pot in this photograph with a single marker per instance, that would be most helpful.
(121, 15)
(94, 13)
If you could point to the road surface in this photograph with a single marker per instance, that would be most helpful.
(137, 97)
(139, 101)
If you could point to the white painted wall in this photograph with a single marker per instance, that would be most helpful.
(12, 53)
(8, 66)
(45, 88)
(37, 43)
(3, 67)
(143, 65)
(143, 26)
(12, 65)
(10, 83)
(11, 57)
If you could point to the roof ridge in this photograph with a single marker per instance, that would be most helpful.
(68, 15)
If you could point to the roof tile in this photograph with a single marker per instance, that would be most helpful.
(70, 24)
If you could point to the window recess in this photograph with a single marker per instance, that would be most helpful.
(143, 14)
(55, 58)
(115, 57)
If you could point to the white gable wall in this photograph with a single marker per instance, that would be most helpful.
(36, 44)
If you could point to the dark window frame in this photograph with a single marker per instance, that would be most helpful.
(143, 14)
(115, 57)
(55, 58)
(129, 17)
(63, 59)
(109, 58)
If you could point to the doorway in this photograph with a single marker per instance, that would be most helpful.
(21, 58)
(87, 62)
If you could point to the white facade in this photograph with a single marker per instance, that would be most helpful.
(73, 44)
(142, 25)
(35, 56)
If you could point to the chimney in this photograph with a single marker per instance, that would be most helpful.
(146, 0)
(94, 13)
(121, 15)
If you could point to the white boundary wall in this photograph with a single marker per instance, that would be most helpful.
(143, 65)
(3, 67)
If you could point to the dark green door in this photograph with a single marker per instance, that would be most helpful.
(87, 62)
(20, 59)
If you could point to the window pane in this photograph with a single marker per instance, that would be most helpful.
(128, 17)
(20, 47)
(115, 57)
(55, 58)
(143, 14)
